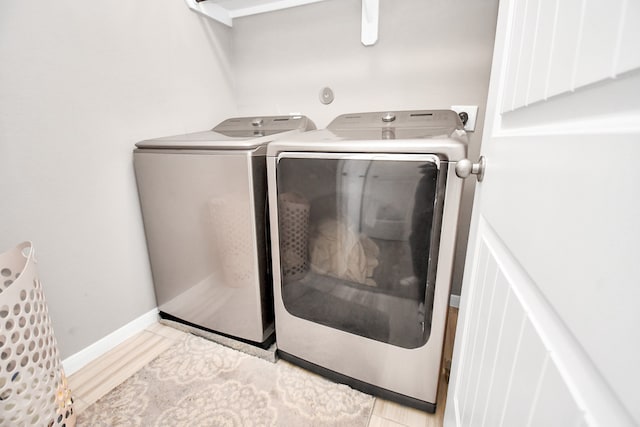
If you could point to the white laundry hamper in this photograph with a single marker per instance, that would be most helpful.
(231, 226)
(33, 387)
(294, 210)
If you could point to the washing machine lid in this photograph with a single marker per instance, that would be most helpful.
(238, 133)
(416, 131)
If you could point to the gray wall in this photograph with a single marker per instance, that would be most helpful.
(80, 83)
(430, 54)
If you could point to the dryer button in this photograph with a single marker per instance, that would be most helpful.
(388, 117)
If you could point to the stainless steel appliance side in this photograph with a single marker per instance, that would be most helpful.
(261, 218)
(204, 230)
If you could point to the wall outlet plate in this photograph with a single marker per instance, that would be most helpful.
(472, 111)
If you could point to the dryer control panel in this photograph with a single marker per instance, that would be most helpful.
(446, 119)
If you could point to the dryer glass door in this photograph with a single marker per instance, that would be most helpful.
(358, 241)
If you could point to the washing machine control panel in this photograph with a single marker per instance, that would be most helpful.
(267, 125)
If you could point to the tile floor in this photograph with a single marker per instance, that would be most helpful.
(111, 369)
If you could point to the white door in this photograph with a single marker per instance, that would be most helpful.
(549, 328)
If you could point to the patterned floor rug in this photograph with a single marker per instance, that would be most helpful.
(200, 383)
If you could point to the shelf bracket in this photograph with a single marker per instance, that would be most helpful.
(211, 10)
(370, 17)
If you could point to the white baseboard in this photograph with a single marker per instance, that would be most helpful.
(76, 361)
(454, 301)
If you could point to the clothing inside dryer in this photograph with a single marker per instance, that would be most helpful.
(358, 243)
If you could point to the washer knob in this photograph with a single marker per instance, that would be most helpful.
(257, 122)
(388, 117)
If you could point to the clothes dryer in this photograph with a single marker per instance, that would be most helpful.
(363, 224)
(203, 201)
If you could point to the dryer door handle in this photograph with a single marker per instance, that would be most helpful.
(464, 168)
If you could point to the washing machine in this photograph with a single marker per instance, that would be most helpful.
(363, 224)
(203, 201)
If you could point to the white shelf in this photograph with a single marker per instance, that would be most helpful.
(224, 11)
